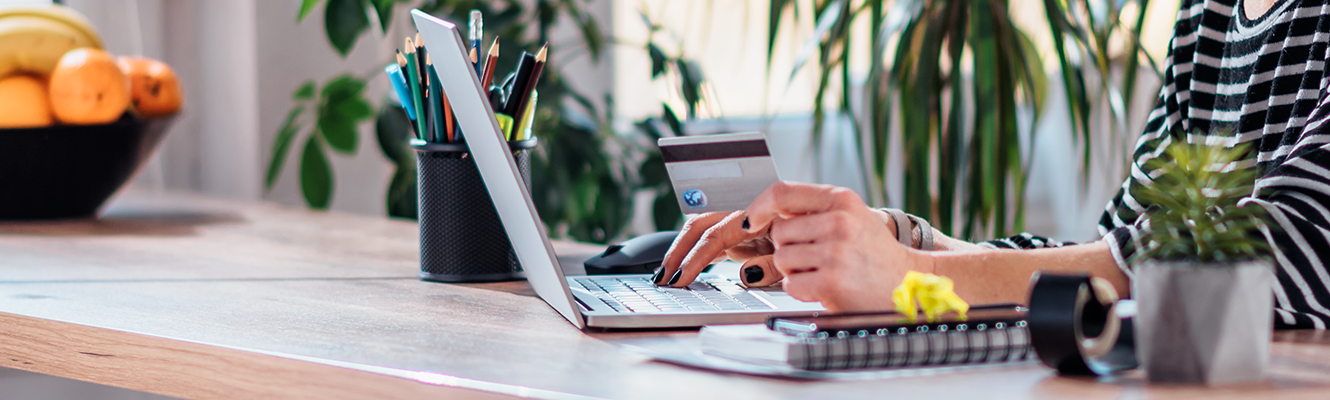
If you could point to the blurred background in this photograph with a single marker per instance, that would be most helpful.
(241, 61)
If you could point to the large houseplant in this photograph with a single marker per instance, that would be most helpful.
(955, 78)
(1203, 281)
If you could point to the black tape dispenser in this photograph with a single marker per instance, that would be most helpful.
(1078, 326)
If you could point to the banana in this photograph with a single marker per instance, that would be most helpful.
(60, 14)
(35, 44)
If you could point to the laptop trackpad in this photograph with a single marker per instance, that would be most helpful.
(783, 301)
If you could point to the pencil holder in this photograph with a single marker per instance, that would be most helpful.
(461, 236)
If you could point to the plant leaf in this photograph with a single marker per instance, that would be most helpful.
(305, 92)
(342, 106)
(344, 21)
(402, 193)
(665, 213)
(774, 13)
(670, 119)
(305, 7)
(825, 22)
(690, 82)
(658, 60)
(281, 146)
(393, 130)
(384, 10)
(316, 176)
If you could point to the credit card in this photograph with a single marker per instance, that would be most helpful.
(722, 172)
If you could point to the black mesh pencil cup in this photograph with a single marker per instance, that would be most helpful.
(461, 236)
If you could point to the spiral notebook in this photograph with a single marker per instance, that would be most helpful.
(854, 342)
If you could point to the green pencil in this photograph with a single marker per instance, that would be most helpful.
(436, 104)
(417, 92)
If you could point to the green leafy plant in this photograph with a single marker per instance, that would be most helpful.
(954, 77)
(581, 177)
(1194, 213)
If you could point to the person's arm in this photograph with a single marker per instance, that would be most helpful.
(830, 248)
(1004, 275)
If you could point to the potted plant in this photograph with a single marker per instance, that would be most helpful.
(1202, 279)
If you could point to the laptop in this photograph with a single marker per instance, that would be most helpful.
(595, 301)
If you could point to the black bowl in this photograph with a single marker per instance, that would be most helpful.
(68, 171)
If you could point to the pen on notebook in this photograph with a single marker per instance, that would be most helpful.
(525, 92)
(477, 25)
(491, 62)
(413, 83)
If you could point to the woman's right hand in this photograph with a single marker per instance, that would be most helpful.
(712, 237)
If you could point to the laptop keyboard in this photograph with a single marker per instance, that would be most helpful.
(638, 294)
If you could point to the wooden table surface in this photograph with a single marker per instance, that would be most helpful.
(194, 297)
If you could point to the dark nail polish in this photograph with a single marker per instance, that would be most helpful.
(752, 274)
(677, 274)
(745, 224)
(660, 273)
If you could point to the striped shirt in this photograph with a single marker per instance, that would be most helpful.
(1231, 80)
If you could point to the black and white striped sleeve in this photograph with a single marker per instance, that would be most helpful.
(1023, 241)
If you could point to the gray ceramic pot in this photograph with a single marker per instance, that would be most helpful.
(1207, 324)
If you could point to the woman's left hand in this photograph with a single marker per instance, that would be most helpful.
(831, 247)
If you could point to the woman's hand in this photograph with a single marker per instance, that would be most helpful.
(832, 248)
(711, 237)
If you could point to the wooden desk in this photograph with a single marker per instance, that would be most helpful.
(193, 297)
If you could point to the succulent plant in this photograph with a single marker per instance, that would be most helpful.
(1194, 213)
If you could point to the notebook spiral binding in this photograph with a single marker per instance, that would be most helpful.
(942, 346)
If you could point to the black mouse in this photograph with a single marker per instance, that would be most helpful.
(639, 255)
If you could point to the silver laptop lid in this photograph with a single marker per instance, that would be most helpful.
(495, 161)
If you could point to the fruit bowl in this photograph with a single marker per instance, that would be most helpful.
(69, 171)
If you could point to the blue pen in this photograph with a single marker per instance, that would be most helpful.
(399, 86)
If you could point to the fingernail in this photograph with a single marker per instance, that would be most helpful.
(677, 274)
(660, 273)
(752, 274)
(745, 224)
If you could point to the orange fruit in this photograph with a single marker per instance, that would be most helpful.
(23, 102)
(87, 87)
(153, 87)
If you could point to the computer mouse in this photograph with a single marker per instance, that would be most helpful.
(639, 255)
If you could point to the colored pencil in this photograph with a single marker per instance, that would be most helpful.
(444, 127)
(491, 61)
(417, 94)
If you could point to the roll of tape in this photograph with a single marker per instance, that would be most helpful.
(1076, 327)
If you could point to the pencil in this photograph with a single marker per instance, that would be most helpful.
(491, 61)
(524, 93)
(417, 94)
(442, 123)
